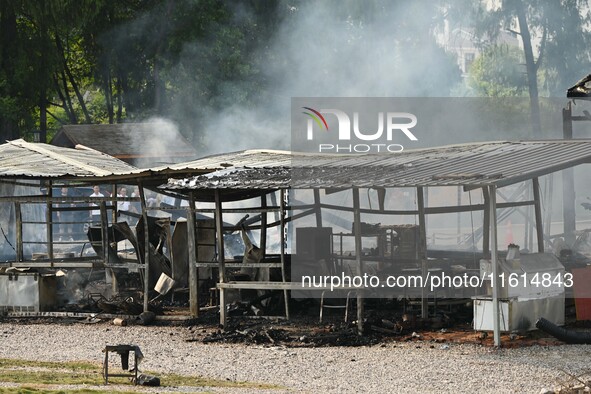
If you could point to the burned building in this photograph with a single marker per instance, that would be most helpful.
(256, 223)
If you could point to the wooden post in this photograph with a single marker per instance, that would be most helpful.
(358, 251)
(169, 247)
(146, 246)
(317, 209)
(492, 191)
(568, 182)
(263, 238)
(283, 196)
(114, 202)
(193, 272)
(423, 251)
(49, 219)
(219, 227)
(19, 231)
(104, 231)
(538, 214)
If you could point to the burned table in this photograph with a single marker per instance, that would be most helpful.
(123, 351)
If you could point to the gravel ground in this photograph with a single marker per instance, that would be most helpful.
(389, 367)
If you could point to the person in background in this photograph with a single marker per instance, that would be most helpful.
(95, 214)
(122, 206)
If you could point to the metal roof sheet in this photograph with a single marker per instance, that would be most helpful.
(470, 165)
(21, 159)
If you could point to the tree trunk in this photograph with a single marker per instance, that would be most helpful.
(72, 80)
(119, 100)
(531, 68)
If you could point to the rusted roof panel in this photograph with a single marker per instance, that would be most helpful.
(469, 165)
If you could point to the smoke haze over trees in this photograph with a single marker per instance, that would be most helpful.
(225, 71)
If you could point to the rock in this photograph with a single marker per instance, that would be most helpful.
(147, 318)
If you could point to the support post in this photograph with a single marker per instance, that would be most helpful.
(492, 191)
(283, 237)
(538, 214)
(317, 209)
(192, 258)
(358, 251)
(219, 227)
(568, 183)
(423, 251)
(114, 212)
(146, 246)
(49, 219)
(19, 231)
(263, 238)
(104, 232)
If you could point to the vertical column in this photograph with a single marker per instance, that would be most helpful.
(19, 231)
(219, 227)
(568, 183)
(263, 239)
(358, 251)
(317, 209)
(49, 219)
(146, 246)
(114, 202)
(192, 259)
(492, 191)
(104, 231)
(423, 250)
(283, 197)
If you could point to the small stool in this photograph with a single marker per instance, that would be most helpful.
(123, 351)
(345, 307)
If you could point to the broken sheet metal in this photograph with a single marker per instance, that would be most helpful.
(472, 165)
(582, 89)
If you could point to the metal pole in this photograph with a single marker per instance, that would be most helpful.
(492, 191)
(358, 251)
(49, 220)
(317, 209)
(19, 231)
(219, 227)
(263, 233)
(282, 197)
(423, 251)
(192, 259)
(568, 183)
(146, 246)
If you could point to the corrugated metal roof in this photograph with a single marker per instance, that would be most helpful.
(21, 159)
(470, 165)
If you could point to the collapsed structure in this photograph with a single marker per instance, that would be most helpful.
(265, 220)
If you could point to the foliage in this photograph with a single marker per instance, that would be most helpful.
(498, 72)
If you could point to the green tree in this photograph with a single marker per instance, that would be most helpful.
(498, 72)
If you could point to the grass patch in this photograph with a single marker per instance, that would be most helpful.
(39, 373)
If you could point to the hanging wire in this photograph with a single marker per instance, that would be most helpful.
(6, 238)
